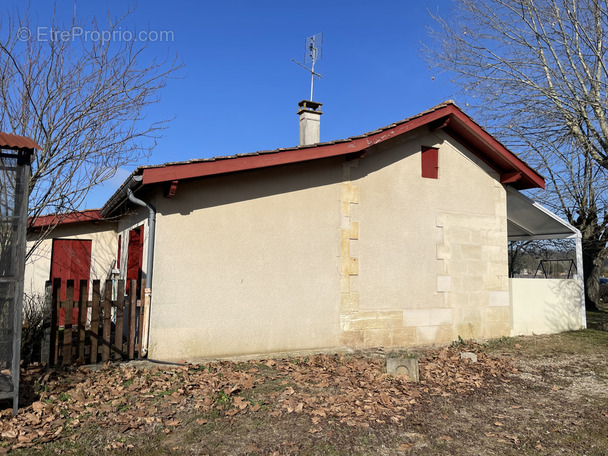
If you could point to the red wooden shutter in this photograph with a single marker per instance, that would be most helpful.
(430, 162)
(135, 252)
(71, 259)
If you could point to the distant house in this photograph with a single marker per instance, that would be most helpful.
(397, 237)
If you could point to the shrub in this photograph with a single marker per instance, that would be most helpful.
(32, 331)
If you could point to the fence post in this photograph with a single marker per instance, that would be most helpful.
(67, 327)
(45, 346)
(82, 318)
(132, 311)
(55, 305)
(142, 316)
(120, 304)
(107, 321)
(95, 321)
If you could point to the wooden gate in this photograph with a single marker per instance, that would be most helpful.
(102, 329)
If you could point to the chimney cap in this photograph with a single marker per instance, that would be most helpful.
(309, 106)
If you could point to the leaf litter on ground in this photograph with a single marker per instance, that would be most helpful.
(139, 398)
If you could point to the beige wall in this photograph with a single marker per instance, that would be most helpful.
(545, 306)
(103, 253)
(322, 254)
(332, 253)
(430, 253)
(248, 263)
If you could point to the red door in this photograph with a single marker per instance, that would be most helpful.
(70, 260)
(135, 253)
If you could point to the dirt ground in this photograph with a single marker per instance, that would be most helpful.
(540, 395)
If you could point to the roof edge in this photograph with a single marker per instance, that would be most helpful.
(485, 146)
(45, 221)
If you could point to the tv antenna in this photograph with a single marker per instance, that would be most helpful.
(313, 50)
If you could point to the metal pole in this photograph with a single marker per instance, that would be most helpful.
(21, 203)
(312, 78)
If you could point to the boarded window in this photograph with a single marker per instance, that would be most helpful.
(430, 162)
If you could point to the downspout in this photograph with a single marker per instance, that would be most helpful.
(149, 266)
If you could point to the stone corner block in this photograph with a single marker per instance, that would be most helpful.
(444, 283)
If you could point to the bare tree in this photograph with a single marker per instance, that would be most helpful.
(535, 74)
(81, 92)
(527, 258)
(578, 188)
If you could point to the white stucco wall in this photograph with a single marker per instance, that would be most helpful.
(103, 253)
(545, 306)
(248, 263)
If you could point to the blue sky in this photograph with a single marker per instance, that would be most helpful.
(239, 89)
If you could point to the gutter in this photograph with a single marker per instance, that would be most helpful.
(132, 182)
(150, 263)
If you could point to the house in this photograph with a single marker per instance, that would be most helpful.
(397, 237)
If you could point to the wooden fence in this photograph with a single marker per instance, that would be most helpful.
(102, 329)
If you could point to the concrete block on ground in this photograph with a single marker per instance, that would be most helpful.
(468, 355)
(403, 367)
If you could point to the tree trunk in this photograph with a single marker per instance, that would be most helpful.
(593, 261)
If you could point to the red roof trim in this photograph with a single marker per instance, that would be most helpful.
(16, 142)
(503, 160)
(90, 215)
(461, 126)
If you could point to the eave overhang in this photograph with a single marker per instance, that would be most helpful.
(446, 116)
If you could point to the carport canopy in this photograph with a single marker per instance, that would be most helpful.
(528, 221)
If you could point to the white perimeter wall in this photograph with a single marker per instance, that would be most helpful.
(545, 306)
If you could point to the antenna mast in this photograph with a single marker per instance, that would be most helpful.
(312, 52)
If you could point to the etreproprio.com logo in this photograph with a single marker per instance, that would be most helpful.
(103, 36)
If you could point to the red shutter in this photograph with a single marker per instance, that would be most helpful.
(430, 162)
(71, 260)
(135, 252)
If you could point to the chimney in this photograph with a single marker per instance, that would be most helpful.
(310, 122)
